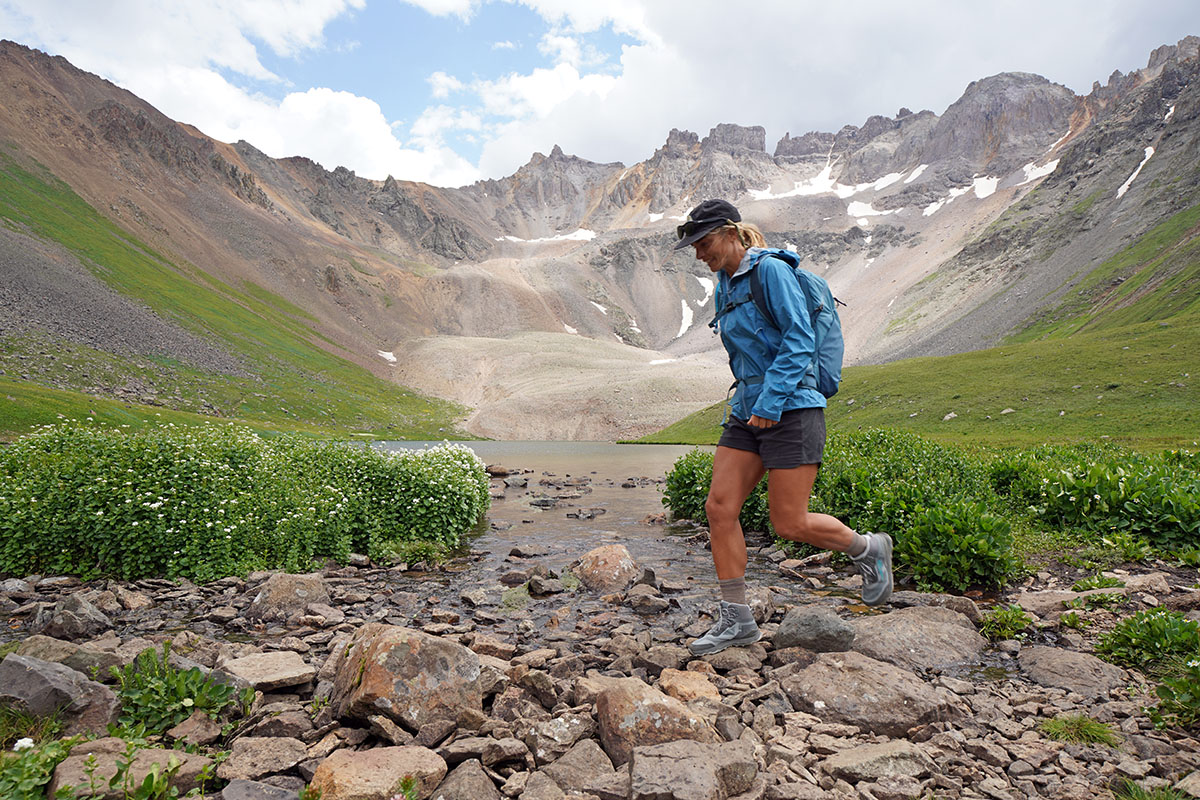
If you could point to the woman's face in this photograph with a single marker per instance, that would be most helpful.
(720, 250)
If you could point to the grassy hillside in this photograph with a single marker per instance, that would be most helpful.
(291, 381)
(1131, 385)
(1156, 278)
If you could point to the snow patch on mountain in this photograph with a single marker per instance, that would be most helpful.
(1129, 181)
(687, 319)
(581, 235)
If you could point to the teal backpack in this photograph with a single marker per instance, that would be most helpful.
(822, 313)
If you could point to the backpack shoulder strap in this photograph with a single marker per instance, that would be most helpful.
(757, 294)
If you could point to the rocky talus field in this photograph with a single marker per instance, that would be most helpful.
(566, 675)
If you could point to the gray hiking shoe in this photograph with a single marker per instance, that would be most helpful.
(728, 631)
(875, 565)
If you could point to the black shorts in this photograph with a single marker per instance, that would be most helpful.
(798, 438)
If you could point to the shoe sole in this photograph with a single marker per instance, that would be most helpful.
(727, 645)
(887, 593)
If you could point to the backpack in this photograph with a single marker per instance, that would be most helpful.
(822, 313)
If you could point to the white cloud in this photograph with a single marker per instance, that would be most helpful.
(684, 65)
(441, 84)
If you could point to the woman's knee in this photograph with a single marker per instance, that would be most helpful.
(793, 528)
(720, 509)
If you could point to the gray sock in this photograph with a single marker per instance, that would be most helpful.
(858, 547)
(733, 590)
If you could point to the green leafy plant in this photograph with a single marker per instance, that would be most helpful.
(958, 547)
(1151, 640)
(1079, 728)
(406, 789)
(158, 696)
(310, 793)
(155, 785)
(1096, 581)
(1179, 697)
(1073, 620)
(25, 773)
(1005, 623)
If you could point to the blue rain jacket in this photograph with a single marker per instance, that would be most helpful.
(773, 367)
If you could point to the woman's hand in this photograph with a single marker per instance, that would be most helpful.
(756, 421)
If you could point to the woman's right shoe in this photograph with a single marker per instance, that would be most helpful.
(730, 630)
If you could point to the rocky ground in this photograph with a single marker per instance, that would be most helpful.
(534, 682)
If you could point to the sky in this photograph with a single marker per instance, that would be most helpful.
(453, 91)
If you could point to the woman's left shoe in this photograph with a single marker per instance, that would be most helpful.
(735, 627)
(875, 565)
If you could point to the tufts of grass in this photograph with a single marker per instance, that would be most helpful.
(1128, 790)
(1079, 728)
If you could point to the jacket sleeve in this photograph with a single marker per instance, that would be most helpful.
(797, 343)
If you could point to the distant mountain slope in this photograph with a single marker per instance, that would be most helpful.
(943, 233)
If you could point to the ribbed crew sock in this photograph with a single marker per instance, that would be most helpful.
(733, 590)
(858, 547)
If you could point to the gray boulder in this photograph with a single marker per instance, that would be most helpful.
(42, 688)
(815, 628)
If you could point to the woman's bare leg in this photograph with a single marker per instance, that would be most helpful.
(735, 474)
(788, 495)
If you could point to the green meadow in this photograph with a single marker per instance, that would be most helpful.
(293, 379)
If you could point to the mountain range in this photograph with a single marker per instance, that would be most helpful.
(549, 304)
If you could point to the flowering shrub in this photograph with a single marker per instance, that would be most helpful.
(211, 501)
(1152, 640)
(1179, 698)
(1153, 497)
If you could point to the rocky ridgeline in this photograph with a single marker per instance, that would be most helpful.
(362, 679)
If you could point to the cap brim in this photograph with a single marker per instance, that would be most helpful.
(698, 234)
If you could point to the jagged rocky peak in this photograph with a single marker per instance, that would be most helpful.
(811, 143)
(1187, 47)
(679, 144)
(735, 139)
(559, 161)
(1001, 122)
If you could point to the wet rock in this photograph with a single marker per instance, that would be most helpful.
(1067, 669)
(633, 714)
(283, 597)
(375, 774)
(43, 688)
(607, 569)
(855, 689)
(920, 637)
(689, 770)
(815, 628)
(963, 605)
(409, 676)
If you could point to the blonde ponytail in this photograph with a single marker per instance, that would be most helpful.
(748, 234)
